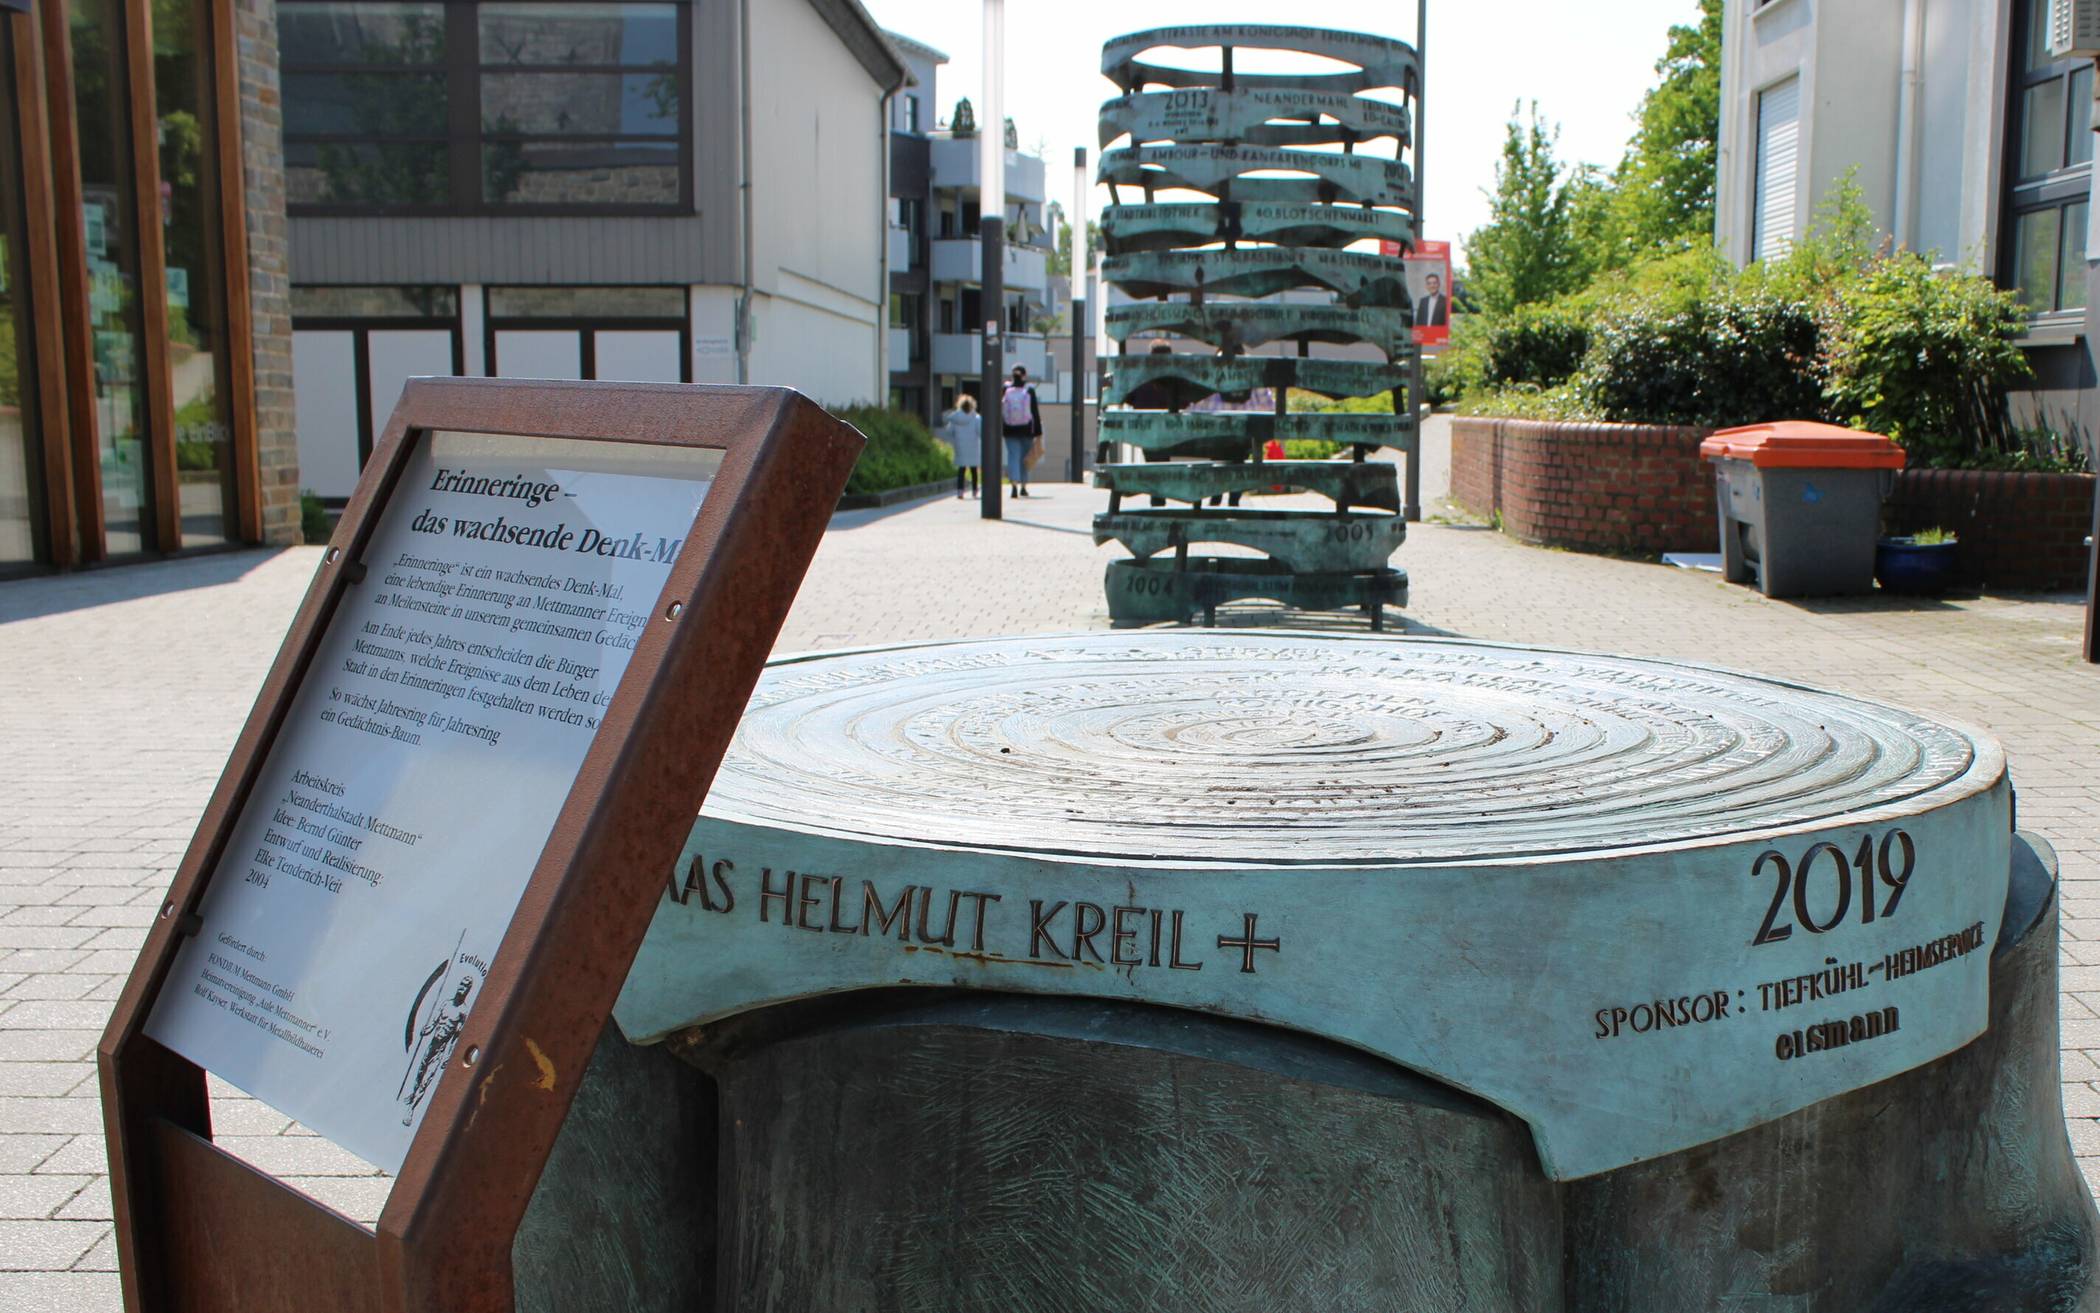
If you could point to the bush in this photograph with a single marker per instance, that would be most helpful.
(314, 526)
(1523, 401)
(1539, 345)
(1732, 355)
(1310, 449)
(901, 453)
(1927, 359)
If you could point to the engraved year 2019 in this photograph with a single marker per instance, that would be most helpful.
(1825, 877)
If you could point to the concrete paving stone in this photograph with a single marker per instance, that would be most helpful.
(295, 1155)
(47, 914)
(59, 1292)
(42, 1079)
(2081, 1101)
(99, 895)
(81, 1155)
(56, 1014)
(51, 984)
(45, 936)
(46, 1045)
(29, 1197)
(46, 1246)
(43, 959)
(118, 914)
(358, 1198)
(21, 1153)
(59, 1114)
(90, 1205)
(103, 1257)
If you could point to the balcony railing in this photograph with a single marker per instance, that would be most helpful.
(955, 165)
(960, 260)
(960, 353)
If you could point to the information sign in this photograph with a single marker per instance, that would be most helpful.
(367, 884)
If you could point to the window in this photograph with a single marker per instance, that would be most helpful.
(1778, 164)
(904, 309)
(2050, 165)
(476, 106)
(908, 113)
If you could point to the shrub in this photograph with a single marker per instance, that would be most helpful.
(314, 526)
(1731, 354)
(1309, 449)
(901, 453)
(1524, 401)
(1926, 358)
(1540, 345)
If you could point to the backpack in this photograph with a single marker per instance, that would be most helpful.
(1014, 408)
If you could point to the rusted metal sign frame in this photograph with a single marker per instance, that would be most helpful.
(199, 1229)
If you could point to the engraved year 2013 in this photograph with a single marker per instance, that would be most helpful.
(1826, 864)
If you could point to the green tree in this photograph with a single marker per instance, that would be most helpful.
(1061, 258)
(1527, 250)
(1661, 195)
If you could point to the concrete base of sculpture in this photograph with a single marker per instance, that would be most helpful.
(946, 1152)
(1162, 589)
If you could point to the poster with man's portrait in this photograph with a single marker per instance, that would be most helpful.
(1429, 288)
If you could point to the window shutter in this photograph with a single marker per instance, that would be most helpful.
(1778, 153)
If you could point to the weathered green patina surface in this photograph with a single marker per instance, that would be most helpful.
(1348, 483)
(1378, 61)
(1233, 326)
(1221, 171)
(1356, 277)
(1128, 228)
(1234, 434)
(1275, 117)
(1310, 542)
(1236, 376)
(1163, 589)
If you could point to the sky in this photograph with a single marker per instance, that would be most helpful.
(1586, 66)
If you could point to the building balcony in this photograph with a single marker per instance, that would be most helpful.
(961, 260)
(955, 165)
(900, 349)
(899, 248)
(959, 353)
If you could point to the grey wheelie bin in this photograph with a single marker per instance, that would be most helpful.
(1800, 505)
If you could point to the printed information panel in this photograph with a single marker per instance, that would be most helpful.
(1639, 905)
(419, 771)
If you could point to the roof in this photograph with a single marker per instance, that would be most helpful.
(866, 40)
(919, 48)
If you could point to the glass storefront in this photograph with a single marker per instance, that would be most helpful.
(21, 529)
(141, 439)
(109, 200)
(197, 360)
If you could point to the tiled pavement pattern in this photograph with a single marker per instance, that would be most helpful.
(121, 690)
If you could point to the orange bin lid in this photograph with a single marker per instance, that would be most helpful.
(1799, 444)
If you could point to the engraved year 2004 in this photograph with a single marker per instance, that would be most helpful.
(1796, 879)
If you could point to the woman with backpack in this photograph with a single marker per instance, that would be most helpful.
(1021, 420)
(963, 427)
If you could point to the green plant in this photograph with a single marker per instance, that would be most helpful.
(1539, 344)
(314, 525)
(1309, 449)
(1733, 355)
(900, 452)
(1927, 358)
(1933, 537)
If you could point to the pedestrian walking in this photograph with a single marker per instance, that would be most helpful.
(963, 429)
(1021, 420)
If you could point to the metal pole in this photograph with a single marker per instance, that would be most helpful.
(991, 227)
(1077, 267)
(1411, 500)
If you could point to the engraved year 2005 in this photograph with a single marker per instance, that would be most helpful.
(1826, 862)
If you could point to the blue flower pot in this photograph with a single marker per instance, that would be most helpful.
(1904, 566)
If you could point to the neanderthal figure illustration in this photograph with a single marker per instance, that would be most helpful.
(434, 1044)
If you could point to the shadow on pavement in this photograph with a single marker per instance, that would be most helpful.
(42, 595)
(1398, 624)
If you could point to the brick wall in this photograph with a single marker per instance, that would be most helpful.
(1637, 488)
(269, 266)
(2018, 532)
(1643, 488)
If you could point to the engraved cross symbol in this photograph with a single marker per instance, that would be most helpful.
(1247, 943)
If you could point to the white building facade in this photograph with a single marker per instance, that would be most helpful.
(935, 259)
(641, 190)
(1969, 142)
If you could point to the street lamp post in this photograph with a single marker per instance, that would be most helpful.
(991, 226)
(1078, 267)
